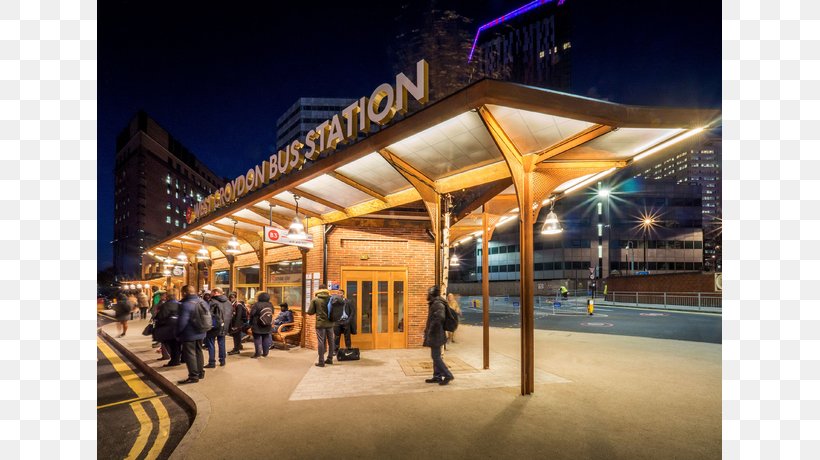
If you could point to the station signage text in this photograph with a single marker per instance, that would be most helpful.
(380, 108)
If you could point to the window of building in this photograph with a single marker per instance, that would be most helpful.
(167, 219)
(168, 190)
(168, 179)
(168, 206)
(698, 244)
(689, 245)
(177, 210)
(502, 249)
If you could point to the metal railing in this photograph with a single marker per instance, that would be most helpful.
(696, 301)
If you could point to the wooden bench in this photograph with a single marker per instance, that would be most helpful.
(292, 337)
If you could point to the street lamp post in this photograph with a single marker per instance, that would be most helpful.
(646, 224)
(602, 193)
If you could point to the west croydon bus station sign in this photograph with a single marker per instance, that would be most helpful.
(380, 108)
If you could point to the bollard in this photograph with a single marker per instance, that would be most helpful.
(590, 306)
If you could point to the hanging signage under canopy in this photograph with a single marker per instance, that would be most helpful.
(280, 235)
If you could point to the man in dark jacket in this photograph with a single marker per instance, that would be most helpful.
(166, 317)
(239, 322)
(347, 325)
(190, 337)
(434, 336)
(324, 326)
(222, 314)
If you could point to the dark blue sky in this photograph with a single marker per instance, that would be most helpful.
(218, 75)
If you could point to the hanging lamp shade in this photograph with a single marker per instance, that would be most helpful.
(296, 230)
(202, 253)
(552, 226)
(233, 246)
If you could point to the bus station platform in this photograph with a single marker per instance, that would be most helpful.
(596, 396)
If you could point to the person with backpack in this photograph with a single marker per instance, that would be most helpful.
(221, 314)
(194, 322)
(261, 321)
(240, 322)
(434, 336)
(324, 325)
(346, 324)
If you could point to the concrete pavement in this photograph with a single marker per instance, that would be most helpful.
(596, 396)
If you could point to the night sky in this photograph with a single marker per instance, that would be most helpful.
(217, 76)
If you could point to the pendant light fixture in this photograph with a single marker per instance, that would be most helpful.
(552, 226)
(296, 230)
(233, 244)
(182, 259)
(203, 254)
(454, 259)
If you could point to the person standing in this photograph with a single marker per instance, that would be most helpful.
(166, 317)
(222, 313)
(434, 336)
(239, 323)
(123, 309)
(261, 321)
(347, 325)
(190, 337)
(324, 326)
(452, 301)
(142, 301)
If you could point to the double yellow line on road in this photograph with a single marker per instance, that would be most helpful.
(144, 394)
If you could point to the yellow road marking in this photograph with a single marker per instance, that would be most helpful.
(164, 430)
(128, 401)
(137, 385)
(145, 430)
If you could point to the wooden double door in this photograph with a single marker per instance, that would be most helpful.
(380, 296)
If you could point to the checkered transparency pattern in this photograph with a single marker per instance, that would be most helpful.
(48, 52)
(771, 129)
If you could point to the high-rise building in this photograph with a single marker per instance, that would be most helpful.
(698, 162)
(436, 31)
(530, 45)
(155, 180)
(305, 114)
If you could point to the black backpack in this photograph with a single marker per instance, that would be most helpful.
(450, 318)
(202, 318)
(265, 316)
(336, 306)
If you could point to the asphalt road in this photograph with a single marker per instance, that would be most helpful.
(697, 327)
(135, 419)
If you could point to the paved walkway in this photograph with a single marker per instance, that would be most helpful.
(596, 396)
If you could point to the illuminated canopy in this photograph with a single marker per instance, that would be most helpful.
(450, 146)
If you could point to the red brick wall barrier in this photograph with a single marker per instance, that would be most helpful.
(668, 282)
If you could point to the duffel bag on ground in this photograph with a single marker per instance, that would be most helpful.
(348, 354)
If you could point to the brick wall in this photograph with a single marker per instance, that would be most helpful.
(678, 282)
(402, 247)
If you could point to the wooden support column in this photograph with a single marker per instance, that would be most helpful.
(485, 286)
(533, 183)
(305, 300)
(431, 198)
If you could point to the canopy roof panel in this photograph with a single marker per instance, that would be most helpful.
(457, 144)
(375, 173)
(334, 190)
(532, 131)
(621, 144)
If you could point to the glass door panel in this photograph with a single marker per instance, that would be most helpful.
(398, 306)
(367, 307)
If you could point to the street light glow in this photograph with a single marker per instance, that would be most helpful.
(603, 193)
